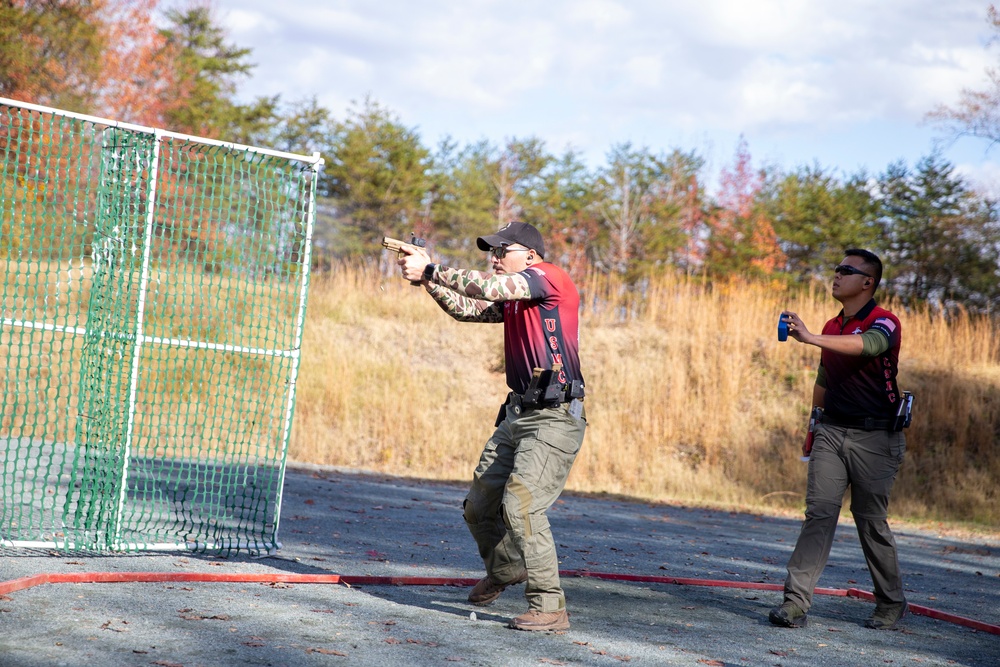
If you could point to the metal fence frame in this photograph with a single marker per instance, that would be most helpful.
(314, 163)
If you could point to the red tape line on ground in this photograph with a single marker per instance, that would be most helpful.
(920, 610)
(14, 585)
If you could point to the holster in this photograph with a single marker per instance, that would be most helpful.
(904, 415)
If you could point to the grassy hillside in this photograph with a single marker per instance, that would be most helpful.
(690, 396)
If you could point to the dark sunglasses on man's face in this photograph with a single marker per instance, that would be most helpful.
(501, 251)
(848, 270)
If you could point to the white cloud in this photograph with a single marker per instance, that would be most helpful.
(984, 176)
(243, 22)
(598, 72)
(762, 25)
(777, 92)
(644, 71)
(937, 76)
(601, 14)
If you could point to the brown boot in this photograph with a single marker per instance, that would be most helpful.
(541, 621)
(486, 591)
(887, 616)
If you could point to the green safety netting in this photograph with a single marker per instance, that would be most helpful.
(152, 292)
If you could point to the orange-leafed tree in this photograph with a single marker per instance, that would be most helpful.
(138, 77)
(102, 57)
(741, 238)
(110, 58)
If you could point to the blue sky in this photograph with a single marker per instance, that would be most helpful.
(845, 85)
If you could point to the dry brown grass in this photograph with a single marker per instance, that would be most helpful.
(690, 396)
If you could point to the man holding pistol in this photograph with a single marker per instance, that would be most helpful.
(540, 428)
(857, 443)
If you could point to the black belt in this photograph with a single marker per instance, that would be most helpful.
(518, 399)
(518, 406)
(864, 423)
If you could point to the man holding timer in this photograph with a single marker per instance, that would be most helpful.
(857, 442)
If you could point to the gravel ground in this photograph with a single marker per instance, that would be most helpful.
(339, 522)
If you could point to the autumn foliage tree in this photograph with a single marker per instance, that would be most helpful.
(741, 238)
(103, 57)
(111, 58)
(137, 80)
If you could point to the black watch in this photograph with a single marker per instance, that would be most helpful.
(429, 272)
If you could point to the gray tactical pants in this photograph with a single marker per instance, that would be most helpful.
(521, 472)
(867, 461)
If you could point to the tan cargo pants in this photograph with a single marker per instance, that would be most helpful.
(521, 472)
(867, 462)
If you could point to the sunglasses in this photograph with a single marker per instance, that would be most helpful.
(848, 270)
(501, 251)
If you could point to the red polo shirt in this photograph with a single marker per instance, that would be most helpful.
(859, 387)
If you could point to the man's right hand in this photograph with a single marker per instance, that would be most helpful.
(796, 327)
(412, 261)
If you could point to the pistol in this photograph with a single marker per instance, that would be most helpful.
(396, 246)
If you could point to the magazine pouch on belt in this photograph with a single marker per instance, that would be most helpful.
(904, 415)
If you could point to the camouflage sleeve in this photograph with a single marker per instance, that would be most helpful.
(483, 286)
(464, 309)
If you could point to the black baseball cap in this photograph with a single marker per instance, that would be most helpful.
(515, 232)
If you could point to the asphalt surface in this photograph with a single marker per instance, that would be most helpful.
(338, 522)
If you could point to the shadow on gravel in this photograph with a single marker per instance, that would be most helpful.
(658, 623)
(337, 522)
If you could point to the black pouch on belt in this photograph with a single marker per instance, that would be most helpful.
(544, 388)
(905, 413)
(501, 415)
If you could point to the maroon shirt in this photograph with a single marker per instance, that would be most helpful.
(544, 329)
(859, 387)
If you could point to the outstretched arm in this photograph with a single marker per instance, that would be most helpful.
(468, 296)
(849, 345)
(466, 282)
(463, 308)
(871, 343)
(482, 285)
